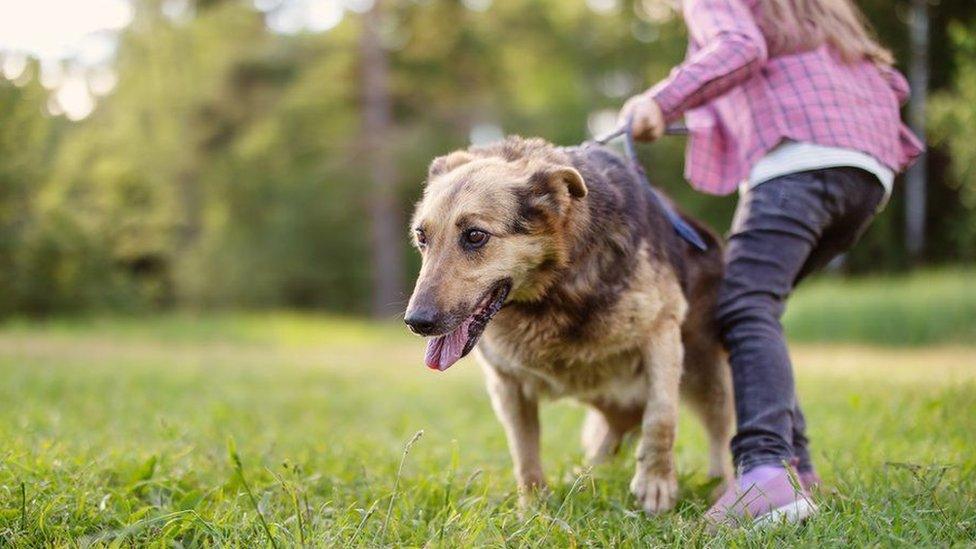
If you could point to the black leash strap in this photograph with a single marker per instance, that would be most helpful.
(682, 227)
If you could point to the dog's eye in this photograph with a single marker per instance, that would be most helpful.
(421, 237)
(475, 238)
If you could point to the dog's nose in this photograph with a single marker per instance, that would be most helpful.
(421, 321)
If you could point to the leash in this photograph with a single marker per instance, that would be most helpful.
(682, 227)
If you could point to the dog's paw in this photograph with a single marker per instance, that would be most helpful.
(654, 493)
(532, 495)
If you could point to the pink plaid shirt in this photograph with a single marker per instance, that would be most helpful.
(739, 103)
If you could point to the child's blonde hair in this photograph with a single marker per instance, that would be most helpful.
(799, 25)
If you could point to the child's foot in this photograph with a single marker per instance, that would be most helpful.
(764, 495)
(809, 480)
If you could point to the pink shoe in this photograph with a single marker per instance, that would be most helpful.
(809, 480)
(763, 496)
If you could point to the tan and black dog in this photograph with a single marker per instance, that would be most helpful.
(563, 269)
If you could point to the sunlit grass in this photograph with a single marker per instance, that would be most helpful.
(125, 431)
(281, 328)
(918, 309)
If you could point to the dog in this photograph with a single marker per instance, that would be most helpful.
(561, 270)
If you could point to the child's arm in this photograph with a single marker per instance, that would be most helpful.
(731, 49)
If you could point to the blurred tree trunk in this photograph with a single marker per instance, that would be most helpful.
(385, 219)
(916, 181)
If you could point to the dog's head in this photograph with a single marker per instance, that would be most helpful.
(492, 225)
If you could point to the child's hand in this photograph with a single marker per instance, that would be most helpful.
(648, 120)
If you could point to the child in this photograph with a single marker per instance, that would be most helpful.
(795, 104)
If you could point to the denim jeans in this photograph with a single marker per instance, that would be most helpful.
(784, 229)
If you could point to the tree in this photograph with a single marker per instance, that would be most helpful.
(386, 220)
(27, 137)
(954, 126)
(918, 76)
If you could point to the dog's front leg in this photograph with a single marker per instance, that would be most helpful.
(655, 483)
(519, 415)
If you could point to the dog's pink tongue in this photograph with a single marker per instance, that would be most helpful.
(443, 351)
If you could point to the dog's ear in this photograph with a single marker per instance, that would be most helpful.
(573, 181)
(447, 163)
(562, 176)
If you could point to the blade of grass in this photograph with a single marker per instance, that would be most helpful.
(292, 492)
(572, 489)
(366, 515)
(396, 481)
(23, 507)
(239, 467)
(447, 490)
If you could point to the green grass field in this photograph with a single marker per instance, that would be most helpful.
(125, 431)
(922, 309)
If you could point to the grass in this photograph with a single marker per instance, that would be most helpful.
(288, 429)
(920, 309)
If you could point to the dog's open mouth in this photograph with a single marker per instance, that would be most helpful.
(444, 350)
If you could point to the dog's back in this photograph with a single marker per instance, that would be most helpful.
(631, 198)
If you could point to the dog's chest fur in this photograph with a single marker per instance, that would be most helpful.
(553, 356)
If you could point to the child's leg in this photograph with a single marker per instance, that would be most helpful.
(801, 451)
(809, 479)
(762, 260)
(783, 230)
(856, 195)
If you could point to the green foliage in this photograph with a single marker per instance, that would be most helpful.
(954, 121)
(226, 169)
(25, 140)
(115, 432)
